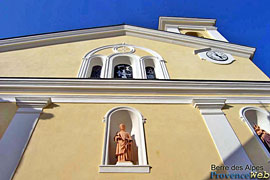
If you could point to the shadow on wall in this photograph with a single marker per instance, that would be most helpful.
(8, 110)
(47, 116)
(259, 159)
(265, 108)
(43, 116)
(257, 155)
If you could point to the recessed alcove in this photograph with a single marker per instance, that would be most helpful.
(134, 126)
(129, 119)
(260, 117)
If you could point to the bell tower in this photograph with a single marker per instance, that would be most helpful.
(203, 28)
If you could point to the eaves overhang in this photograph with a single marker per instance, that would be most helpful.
(121, 30)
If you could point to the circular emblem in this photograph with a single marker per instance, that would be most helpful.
(217, 56)
(123, 49)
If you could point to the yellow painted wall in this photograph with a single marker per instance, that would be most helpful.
(64, 60)
(68, 143)
(7, 111)
(245, 135)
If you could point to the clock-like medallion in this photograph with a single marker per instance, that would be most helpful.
(214, 56)
(217, 56)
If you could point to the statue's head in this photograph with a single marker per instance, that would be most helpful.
(122, 127)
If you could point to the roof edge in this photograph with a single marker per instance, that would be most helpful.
(120, 30)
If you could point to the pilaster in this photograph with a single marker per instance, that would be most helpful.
(18, 133)
(227, 143)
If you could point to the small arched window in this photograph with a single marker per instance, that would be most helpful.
(96, 71)
(150, 72)
(123, 71)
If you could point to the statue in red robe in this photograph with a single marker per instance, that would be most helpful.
(124, 145)
(264, 136)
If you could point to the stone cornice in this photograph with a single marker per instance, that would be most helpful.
(120, 30)
(110, 86)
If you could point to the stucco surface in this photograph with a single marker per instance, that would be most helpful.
(64, 60)
(245, 135)
(7, 111)
(68, 143)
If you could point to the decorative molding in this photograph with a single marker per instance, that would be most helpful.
(107, 115)
(137, 63)
(121, 30)
(116, 48)
(127, 99)
(32, 102)
(244, 109)
(209, 106)
(163, 21)
(112, 86)
(194, 27)
(124, 169)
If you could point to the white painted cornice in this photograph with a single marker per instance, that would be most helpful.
(163, 20)
(213, 103)
(209, 105)
(121, 30)
(112, 86)
(138, 99)
(32, 102)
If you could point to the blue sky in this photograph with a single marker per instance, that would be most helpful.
(241, 22)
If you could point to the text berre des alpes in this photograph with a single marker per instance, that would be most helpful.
(236, 168)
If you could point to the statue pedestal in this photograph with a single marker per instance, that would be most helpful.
(126, 163)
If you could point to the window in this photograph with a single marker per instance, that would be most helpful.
(195, 34)
(123, 63)
(123, 71)
(259, 123)
(133, 121)
(96, 70)
(150, 73)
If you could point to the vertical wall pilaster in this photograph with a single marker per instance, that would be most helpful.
(18, 133)
(228, 145)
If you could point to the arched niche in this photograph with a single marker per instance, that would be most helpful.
(258, 116)
(134, 121)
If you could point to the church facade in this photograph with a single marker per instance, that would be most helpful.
(188, 100)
